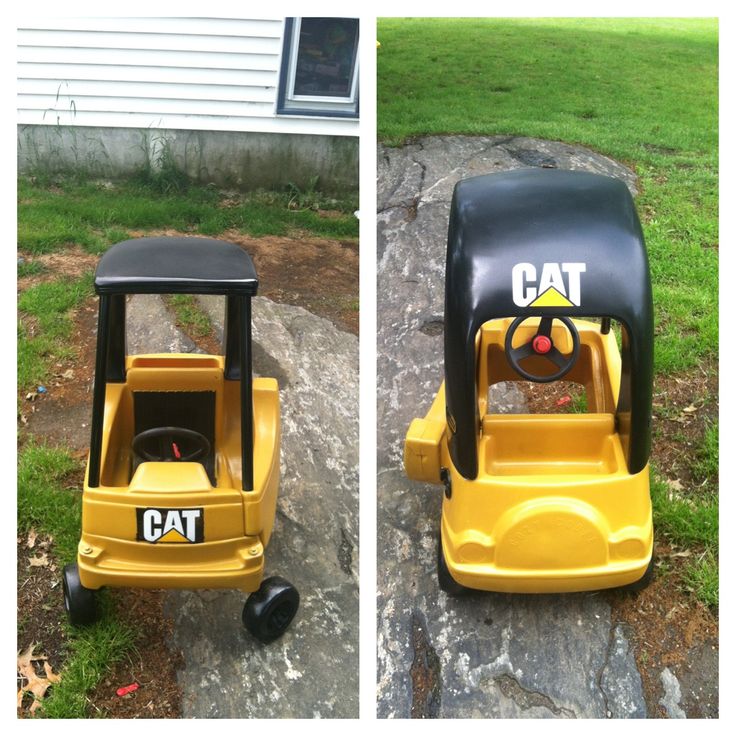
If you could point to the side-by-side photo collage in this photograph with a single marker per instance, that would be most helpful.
(367, 367)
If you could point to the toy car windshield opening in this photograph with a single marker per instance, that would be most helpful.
(579, 390)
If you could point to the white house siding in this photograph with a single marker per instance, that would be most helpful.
(209, 74)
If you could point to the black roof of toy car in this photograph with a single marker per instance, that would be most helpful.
(170, 265)
(538, 242)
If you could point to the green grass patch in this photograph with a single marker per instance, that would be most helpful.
(685, 520)
(30, 268)
(701, 578)
(44, 501)
(690, 521)
(96, 216)
(579, 403)
(44, 338)
(47, 504)
(190, 316)
(576, 79)
(91, 652)
(705, 466)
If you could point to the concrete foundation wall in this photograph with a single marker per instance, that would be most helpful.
(240, 160)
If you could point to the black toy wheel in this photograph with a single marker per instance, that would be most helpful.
(447, 583)
(80, 602)
(269, 611)
(197, 444)
(642, 582)
(543, 346)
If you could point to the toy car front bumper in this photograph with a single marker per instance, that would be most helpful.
(117, 563)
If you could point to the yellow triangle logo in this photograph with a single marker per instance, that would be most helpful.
(173, 536)
(551, 298)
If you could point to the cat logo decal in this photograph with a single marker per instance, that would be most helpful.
(170, 526)
(558, 285)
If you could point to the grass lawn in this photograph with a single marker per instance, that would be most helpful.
(97, 215)
(45, 339)
(643, 91)
(58, 215)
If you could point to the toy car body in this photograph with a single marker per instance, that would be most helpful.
(542, 502)
(183, 470)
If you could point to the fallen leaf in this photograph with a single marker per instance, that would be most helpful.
(31, 539)
(41, 560)
(690, 409)
(675, 485)
(51, 676)
(68, 374)
(30, 681)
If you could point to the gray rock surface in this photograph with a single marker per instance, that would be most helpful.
(487, 655)
(312, 671)
(149, 328)
(670, 701)
(698, 677)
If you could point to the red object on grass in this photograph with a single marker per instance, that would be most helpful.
(564, 400)
(127, 689)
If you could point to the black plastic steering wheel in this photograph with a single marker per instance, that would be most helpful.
(168, 451)
(541, 344)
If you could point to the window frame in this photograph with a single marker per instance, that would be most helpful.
(288, 103)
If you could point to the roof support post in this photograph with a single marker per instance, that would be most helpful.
(116, 345)
(98, 397)
(246, 393)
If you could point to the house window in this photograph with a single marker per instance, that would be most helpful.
(319, 67)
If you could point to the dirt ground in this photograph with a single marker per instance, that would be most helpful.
(40, 605)
(70, 263)
(319, 275)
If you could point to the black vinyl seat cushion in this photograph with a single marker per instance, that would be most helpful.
(176, 265)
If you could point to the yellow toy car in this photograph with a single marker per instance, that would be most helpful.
(539, 503)
(183, 469)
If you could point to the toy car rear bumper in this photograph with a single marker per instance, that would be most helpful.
(234, 563)
(489, 576)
